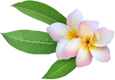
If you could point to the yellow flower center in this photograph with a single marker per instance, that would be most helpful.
(71, 35)
(87, 40)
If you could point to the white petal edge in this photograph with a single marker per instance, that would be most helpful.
(84, 56)
(72, 47)
(74, 19)
(93, 24)
(85, 32)
(101, 54)
(59, 50)
(59, 31)
(103, 37)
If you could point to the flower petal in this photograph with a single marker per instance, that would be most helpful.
(93, 24)
(102, 37)
(85, 32)
(71, 48)
(100, 53)
(59, 31)
(59, 50)
(74, 19)
(84, 56)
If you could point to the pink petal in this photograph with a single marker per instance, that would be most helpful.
(100, 53)
(85, 32)
(71, 48)
(102, 37)
(74, 19)
(59, 50)
(84, 56)
(59, 31)
(93, 24)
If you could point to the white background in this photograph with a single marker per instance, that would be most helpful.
(5, 10)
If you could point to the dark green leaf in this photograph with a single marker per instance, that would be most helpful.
(40, 11)
(34, 42)
(60, 68)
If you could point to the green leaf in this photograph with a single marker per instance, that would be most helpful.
(40, 11)
(60, 68)
(34, 42)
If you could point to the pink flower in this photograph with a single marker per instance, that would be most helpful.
(94, 44)
(81, 39)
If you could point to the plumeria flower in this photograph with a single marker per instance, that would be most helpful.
(81, 39)
(94, 44)
(67, 33)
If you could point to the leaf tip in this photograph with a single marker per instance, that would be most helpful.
(42, 78)
(13, 5)
(45, 77)
(16, 4)
(1, 33)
